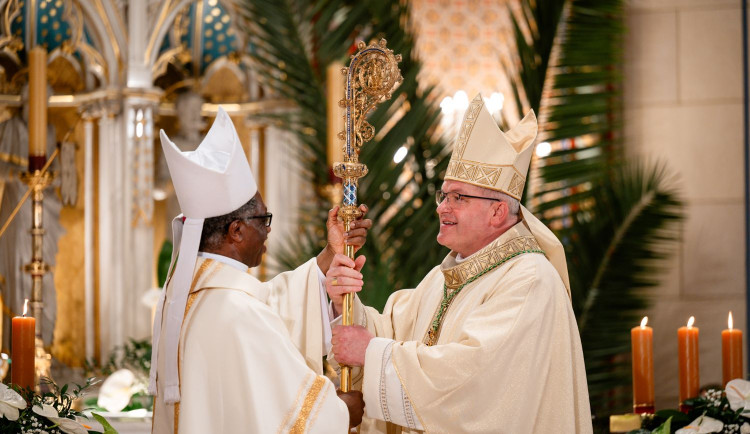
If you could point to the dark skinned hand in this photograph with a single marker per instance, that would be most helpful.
(338, 237)
(356, 405)
(356, 236)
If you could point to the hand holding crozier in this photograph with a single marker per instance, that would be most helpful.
(349, 344)
(356, 405)
(344, 276)
(338, 237)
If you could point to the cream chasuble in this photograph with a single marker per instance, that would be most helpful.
(503, 356)
(246, 363)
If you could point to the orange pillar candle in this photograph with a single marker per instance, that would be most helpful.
(731, 352)
(22, 350)
(642, 341)
(37, 108)
(687, 350)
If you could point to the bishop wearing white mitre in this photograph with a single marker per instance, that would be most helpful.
(233, 354)
(487, 342)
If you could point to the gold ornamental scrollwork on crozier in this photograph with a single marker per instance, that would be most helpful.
(371, 79)
(349, 170)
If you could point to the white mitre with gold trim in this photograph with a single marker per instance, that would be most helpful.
(485, 156)
(213, 180)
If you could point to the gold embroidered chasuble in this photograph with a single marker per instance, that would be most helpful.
(506, 358)
(247, 362)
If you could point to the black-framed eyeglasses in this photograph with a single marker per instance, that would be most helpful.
(457, 198)
(267, 217)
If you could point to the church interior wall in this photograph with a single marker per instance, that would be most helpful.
(683, 105)
(69, 337)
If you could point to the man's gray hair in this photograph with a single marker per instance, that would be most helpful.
(214, 228)
(514, 205)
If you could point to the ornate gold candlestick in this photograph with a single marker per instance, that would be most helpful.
(37, 268)
(371, 77)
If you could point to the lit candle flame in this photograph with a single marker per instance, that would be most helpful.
(690, 322)
(730, 322)
(644, 321)
(25, 306)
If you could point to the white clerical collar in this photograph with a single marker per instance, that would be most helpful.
(225, 260)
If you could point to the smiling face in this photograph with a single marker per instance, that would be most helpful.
(468, 226)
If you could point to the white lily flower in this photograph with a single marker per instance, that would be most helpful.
(117, 390)
(68, 426)
(10, 403)
(738, 395)
(46, 410)
(702, 425)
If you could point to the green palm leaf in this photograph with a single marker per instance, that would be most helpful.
(615, 218)
(304, 37)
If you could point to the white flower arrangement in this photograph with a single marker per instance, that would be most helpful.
(716, 411)
(10, 403)
(25, 411)
(702, 425)
(738, 395)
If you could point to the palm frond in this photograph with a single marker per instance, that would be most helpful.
(618, 249)
(615, 218)
(293, 44)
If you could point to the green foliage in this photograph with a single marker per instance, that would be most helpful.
(135, 356)
(61, 398)
(615, 217)
(293, 44)
(665, 428)
(108, 429)
(534, 32)
(713, 403)
(163, 261)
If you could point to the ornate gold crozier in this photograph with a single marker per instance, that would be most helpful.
(371, 78)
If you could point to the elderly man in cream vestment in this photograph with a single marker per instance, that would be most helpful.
(231, 354)
(487, 342)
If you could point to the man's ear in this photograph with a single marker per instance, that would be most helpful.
(234, 232)
(500, 213)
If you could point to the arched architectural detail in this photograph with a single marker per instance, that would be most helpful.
(108, 34)
(167, 13)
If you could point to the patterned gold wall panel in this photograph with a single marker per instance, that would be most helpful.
(461, 43)
(69, 343)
